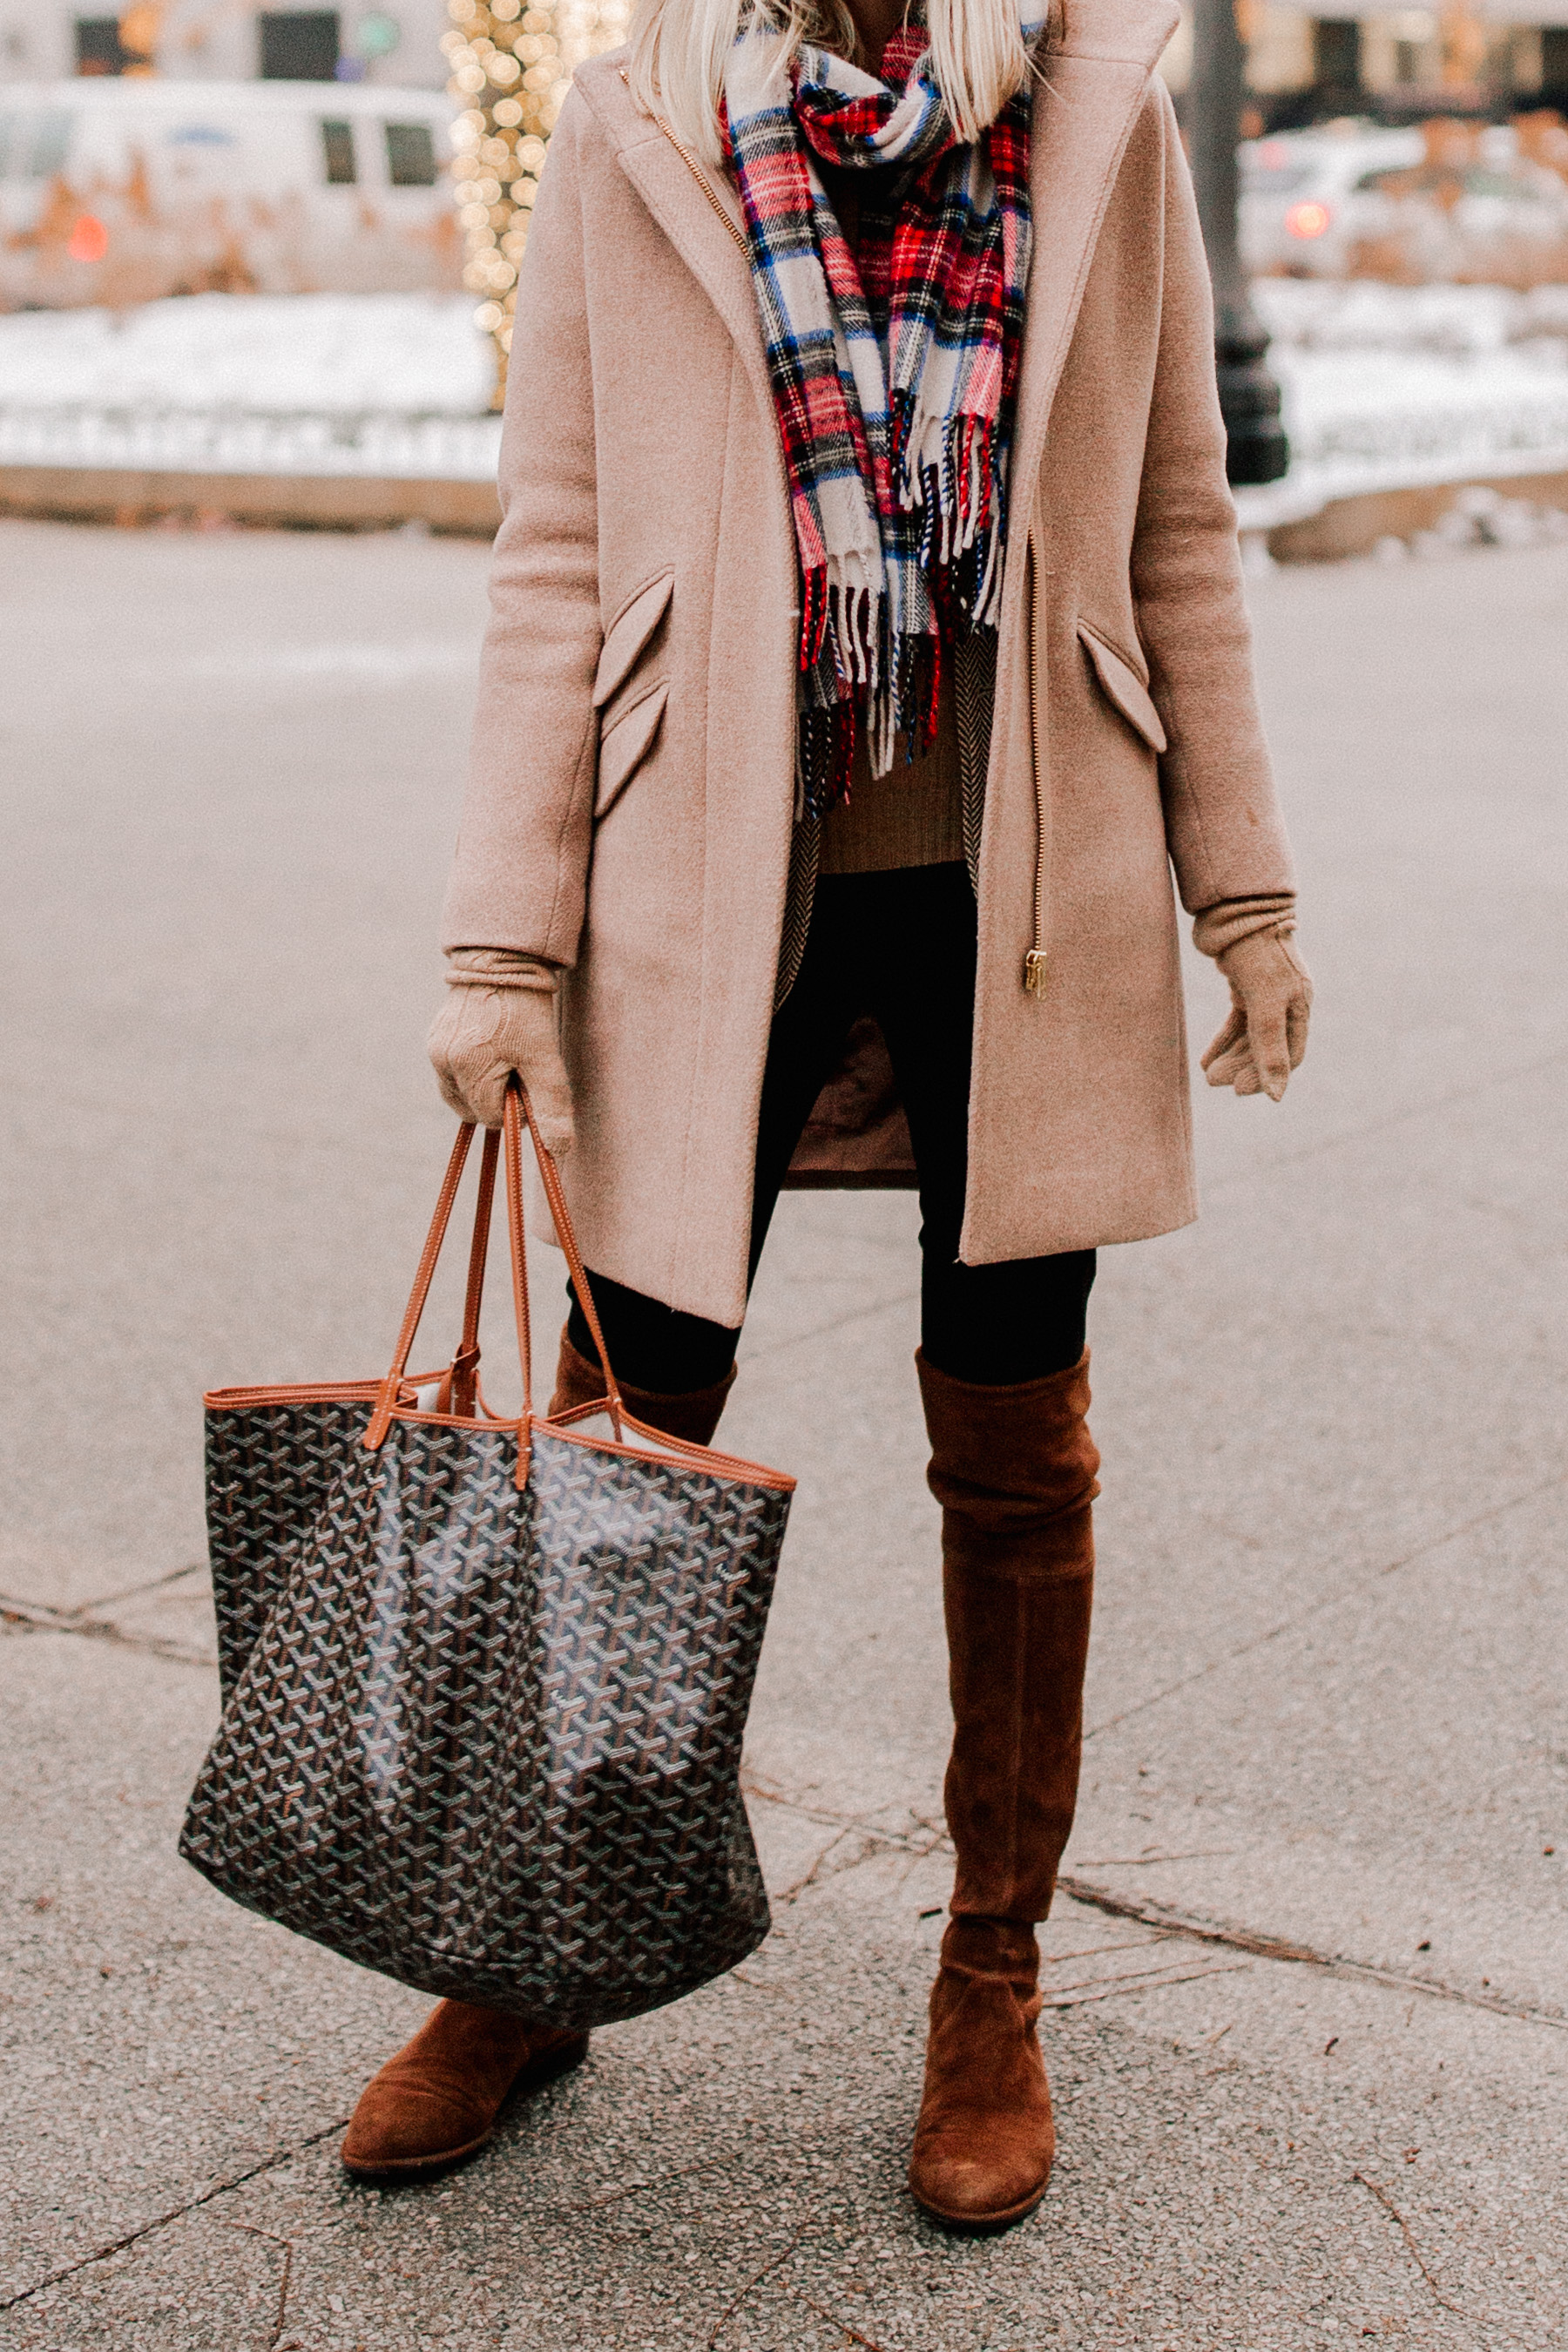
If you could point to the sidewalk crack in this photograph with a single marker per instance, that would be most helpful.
(1257, 1944)
(1279, 1947)
(137, 1591)
(776, 2264)
(176, 2213)
(40, 1619)
(1444, 2301)
(1351, 1590)
(833, 2319)
(253, 2231)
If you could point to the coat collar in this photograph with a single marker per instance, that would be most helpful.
(1094, 65)
(698, 209)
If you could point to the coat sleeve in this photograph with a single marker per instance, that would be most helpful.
(518, 874)
(1223, 823)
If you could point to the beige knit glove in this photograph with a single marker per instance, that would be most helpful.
(500, 1016)
(1271, 995)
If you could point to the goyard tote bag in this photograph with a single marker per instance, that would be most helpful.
(485, 1680)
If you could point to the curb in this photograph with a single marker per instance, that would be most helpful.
(1341, 527)
(1353, 525)
(304, 502)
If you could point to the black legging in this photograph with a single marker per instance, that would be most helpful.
(901, 945)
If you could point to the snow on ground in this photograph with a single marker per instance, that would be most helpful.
(279, 354)
(165, 441)
(1389, 387)
(305, 384)
(1451, 321)
(1385, 386)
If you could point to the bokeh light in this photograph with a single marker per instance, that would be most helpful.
(511, 66)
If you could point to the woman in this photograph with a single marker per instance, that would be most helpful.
(868, 647)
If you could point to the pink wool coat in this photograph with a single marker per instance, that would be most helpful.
(630, 807)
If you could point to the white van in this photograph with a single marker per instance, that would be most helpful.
(119, 190)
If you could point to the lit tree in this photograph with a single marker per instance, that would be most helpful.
(513, 65)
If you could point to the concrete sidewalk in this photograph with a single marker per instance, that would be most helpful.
(1309, 2002)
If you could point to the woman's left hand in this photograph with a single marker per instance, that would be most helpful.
(1270, 1004)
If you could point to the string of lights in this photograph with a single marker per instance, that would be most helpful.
(512, 64)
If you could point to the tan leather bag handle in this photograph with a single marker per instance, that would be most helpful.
(386, 1398)
(459, 1388)
(516, 1109)
(561, 1217)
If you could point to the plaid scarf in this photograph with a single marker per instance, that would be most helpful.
(894, 374)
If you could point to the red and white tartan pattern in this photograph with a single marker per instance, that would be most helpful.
(894, 375)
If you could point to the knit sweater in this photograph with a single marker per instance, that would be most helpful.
(911, 817)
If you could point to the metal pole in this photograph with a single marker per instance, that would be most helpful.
(1257, 450)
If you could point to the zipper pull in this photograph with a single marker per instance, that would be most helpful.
(1035, 971)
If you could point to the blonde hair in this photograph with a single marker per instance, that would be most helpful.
(679, 49)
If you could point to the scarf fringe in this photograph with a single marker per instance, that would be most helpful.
(857, 654)
(901, 542)
(825, 758)
(957, 474)
(906, 702)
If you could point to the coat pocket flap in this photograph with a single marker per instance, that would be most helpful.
(628, 632)
(1124, 687)
(625, 747)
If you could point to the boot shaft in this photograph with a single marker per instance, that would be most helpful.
(1015, 1470)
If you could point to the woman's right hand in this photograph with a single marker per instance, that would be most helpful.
(481, 1034)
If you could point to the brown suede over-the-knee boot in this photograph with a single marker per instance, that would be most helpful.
(691, 1414)
(1014, 1469)
(438, 2100)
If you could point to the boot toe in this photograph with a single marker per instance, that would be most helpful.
(979, 2190)
(404, 2129)
(437, 2101)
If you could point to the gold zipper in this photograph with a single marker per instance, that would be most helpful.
(738, 235)
(1035, 962)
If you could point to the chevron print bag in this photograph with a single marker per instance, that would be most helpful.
(485, 1681)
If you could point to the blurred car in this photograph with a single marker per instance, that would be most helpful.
(117, 191)
(1475, 210)
(1453, 202)
(1298, 212)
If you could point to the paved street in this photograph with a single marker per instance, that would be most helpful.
(1308, 2021)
